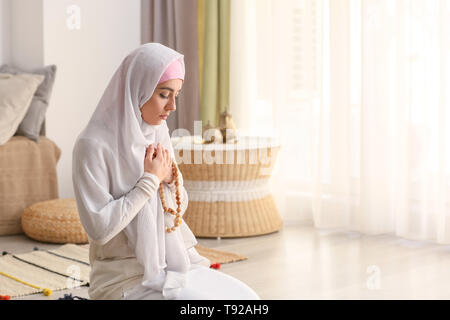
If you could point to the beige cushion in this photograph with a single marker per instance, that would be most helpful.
(16, 93)
(31, 124)
(55, 221)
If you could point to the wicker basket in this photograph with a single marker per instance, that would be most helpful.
(55, 221)
(228, 187)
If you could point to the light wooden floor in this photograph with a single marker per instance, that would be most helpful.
(301, 262)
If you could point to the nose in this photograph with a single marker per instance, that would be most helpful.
(171, 106)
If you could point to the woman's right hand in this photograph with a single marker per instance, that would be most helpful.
(157, 161)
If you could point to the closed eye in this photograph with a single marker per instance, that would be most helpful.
(167, 97)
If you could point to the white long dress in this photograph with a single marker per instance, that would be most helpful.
(202, 284)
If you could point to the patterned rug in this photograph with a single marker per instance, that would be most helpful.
(64, 268)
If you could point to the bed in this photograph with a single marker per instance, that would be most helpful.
(27, 175)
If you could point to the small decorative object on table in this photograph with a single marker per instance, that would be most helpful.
(211, 134)
(225, 133)
(227, 127)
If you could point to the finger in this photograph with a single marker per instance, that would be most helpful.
(169, 159)
(160, 151)
(149, 152)
(155, 151)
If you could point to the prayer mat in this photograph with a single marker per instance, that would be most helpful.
(64, 268)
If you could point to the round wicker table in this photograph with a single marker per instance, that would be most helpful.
(228, 186)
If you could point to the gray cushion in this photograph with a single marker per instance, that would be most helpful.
(31, 124)
(16, 93)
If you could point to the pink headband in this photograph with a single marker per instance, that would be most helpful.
(173, 71)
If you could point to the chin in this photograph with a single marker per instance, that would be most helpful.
(156, 122)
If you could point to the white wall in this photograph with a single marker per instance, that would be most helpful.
(26, 34)
(86, 59)
(36, 33)
(4, 31)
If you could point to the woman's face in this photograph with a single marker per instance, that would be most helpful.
(162, 102)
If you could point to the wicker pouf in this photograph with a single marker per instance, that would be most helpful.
(55, 221)
(228, 186)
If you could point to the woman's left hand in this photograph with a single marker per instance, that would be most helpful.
(168, 178)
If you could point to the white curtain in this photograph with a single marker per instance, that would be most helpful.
(358, 91)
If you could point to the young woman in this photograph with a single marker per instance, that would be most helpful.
(125, 183)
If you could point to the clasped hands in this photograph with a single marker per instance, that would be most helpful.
(158, 162)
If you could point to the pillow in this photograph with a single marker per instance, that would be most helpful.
(16, 94)
(31, 124)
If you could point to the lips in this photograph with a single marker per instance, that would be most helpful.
(164, 117)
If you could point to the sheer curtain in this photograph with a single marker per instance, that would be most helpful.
(358, 91)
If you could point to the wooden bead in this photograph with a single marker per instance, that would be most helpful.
(177, 219)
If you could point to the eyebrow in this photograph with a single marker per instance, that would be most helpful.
(167, 88)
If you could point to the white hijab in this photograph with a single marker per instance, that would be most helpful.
(118, 123)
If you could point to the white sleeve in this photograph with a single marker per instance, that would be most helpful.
(102, 216)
